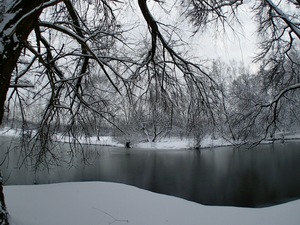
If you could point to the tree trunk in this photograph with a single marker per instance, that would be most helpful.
(12, 38)
(23, 16)
(3, 211)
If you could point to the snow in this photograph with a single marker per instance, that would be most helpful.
(182, 143)
(101, 203)
(164, 143)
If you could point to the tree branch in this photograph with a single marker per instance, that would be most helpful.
(285, 18)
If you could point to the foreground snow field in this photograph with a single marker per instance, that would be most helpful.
(101, 203)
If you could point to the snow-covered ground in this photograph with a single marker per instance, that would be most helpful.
(165, 143)
(101, 203)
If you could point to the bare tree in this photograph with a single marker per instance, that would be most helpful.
(278, 28)
(59, 45)
(64, 46)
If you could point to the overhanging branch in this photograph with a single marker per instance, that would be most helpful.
(21, 86)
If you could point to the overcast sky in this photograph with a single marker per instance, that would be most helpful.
(239, 45)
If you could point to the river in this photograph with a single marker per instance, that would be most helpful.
(263, 176)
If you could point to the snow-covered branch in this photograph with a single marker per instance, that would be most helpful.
(12, 27)
(285, 18)
(282, 92)
(83, 41)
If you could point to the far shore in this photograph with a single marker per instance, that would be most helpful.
(164, 143)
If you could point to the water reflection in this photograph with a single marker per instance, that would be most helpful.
(269, 174)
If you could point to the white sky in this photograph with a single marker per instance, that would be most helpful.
(239, 45)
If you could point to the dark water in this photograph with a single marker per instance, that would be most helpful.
(266, 175)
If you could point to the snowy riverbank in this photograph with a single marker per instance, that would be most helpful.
(100, 203)
(164, 143)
